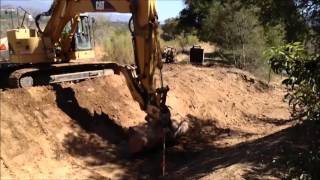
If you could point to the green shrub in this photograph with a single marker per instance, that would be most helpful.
(185, 40)
(275, 35)
(170, 29)
(303, 81)
(118, 47)
(181, 42)
(239, 34)
(115, 39)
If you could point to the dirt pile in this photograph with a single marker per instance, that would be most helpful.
(75, 130)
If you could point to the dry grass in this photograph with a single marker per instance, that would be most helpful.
(114, 40)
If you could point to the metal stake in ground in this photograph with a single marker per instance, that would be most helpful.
(164, 154)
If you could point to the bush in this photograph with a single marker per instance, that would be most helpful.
(239, 34)
(118, 47)
(275, 35)
(303, 81)
(181, 42)
(184, 40)
(115, 39)
(170, 29)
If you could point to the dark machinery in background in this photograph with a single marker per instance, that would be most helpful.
(169, 54)
(196, 55)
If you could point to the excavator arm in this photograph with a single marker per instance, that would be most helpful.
(145, 79)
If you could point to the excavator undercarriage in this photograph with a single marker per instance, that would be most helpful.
(28, 75)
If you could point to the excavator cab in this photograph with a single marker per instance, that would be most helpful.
(82, 44)
(83, 40)
(27, 46)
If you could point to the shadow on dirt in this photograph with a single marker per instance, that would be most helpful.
(100, 136)
(285, 154)
(267, 120)
(277, 122)
(99, 124)
(195, 156)
(99, 141)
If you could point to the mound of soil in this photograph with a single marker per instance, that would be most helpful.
(76, 130)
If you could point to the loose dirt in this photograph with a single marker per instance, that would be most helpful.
(76, 131)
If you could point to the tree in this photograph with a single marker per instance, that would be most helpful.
(170, 29)
(286, 12)
(270, 13)
(236, 30)
(191, 18)
(310, 10)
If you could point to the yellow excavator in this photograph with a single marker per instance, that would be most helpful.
(49, 56)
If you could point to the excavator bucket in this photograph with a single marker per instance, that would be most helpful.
(145, 137)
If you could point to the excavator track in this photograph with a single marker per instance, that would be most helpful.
(23, 77)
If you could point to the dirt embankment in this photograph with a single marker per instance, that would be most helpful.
(75, 130)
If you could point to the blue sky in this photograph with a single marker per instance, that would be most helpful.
(166, 8)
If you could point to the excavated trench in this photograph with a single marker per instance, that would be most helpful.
(77, 130)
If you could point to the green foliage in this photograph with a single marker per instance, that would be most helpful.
(238, 32)
(310, 10)
(285, 12)
(118, 47)
(173, 36)
(191, 18)
(275, 35)
(115, 39)
(170, 29)
(269, 12)
(246, 28)
(303, 81)
(184, 40)
(214, 25)
(242, 28)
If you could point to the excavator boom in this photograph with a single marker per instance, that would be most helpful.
(145, 79)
